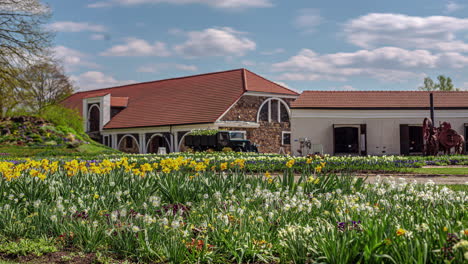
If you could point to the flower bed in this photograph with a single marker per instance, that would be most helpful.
(274, 162)
(211, 210)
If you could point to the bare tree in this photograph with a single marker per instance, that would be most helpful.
(23, 37)
(23, 40)
(44, 84)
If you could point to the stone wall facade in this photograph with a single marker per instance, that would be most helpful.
(269, 135)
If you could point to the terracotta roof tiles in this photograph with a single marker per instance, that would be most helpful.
(379, 99)
(186, 100)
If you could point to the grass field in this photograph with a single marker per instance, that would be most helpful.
(85, 149)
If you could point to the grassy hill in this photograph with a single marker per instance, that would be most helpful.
(27, 136)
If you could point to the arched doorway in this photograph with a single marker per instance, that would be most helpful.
(129, 144)
(94, 118)
(157, 141)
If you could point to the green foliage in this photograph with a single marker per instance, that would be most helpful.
(444, 84)
(25, 247)
(227, 150)
(204, 132)
(63, 117)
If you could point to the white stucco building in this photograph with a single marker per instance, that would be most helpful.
(372, 122)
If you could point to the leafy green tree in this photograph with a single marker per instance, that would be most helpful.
(444, 84)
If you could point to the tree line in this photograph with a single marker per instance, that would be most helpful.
(30, 79)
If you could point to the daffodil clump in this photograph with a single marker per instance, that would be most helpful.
(214, 209)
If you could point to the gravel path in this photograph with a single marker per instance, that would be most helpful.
(438, 179)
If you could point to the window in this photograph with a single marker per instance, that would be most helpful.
(286, 138)
(273, 110)
(238, 135)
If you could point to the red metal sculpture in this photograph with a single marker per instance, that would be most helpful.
(443, 138)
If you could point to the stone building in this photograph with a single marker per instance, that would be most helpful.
(143, 117)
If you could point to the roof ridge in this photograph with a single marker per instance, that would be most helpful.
(381, 91)
(244, 79)
(162, 80)
(289, 89)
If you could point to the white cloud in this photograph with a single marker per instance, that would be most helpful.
(249, 63)
(388, 64)
(69, 26)
(432, 33)
(138, 47)
(224, 4)
(348, 88)
(343, 88)
(97, 37)
(156, 68)
(215, 42)
(72, 59)
(94, 80)
(273, 52)
(452, 6)
(308, 20)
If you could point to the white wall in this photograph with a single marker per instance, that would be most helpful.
(383, 126)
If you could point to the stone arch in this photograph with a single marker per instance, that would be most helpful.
(179, 145)
(165, 143)
(265, 104)
(134, 147)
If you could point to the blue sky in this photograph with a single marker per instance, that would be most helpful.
(304, 44)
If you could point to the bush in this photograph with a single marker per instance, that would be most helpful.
(227, 149)
(64, 117)
(204, 132)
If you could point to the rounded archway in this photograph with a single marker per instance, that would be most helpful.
(157, 141)
(94, 118)
(129, 144)
(181, 145)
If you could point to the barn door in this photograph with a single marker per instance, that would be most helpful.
(404, 140)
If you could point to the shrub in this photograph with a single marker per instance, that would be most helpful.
(227, 149)
(26, 246)
(62, 116)
(204, 132)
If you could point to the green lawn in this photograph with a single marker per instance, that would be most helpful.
(446, 171)
(458, 187)
(20, 151)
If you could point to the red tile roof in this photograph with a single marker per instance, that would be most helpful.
(119, 101)
(379, 99)
(186, 100)
(256, 83)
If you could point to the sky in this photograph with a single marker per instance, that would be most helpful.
(302, 44)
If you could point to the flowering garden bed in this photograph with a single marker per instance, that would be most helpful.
(274, 162)
(209, 210)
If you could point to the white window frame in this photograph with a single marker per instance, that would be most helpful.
(238, 131)
(268, 101)
(282, 137)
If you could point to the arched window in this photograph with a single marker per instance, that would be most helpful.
(94, 118)
(273, 110)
